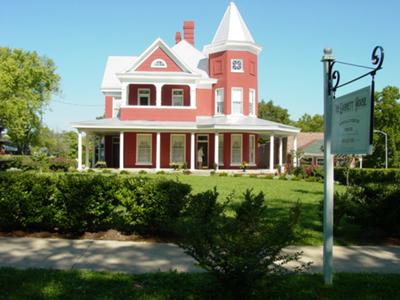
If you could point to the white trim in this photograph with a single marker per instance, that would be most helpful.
(183, 97)
(158, 150)
(192, 151)
(159, 43)
(252, 136)
(252, 113)
(216, 101)
(170, 147)
(121, 150)
(232, 89)
(138, 97)
(216, 149)
(237, 71)
(79, 150)
(241, 149)
(157, 60)
(137, 149)
(271, 153)
(232, 45)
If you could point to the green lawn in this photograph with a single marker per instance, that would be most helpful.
(54, 284)
(279, 195)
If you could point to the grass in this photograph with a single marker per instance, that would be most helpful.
(56, 284)
(279, 194)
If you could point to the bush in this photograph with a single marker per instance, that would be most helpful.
(100, 164)
(372, 206)
(243, 251)
(124, 172)
(81, 202)
(60, 164)
(186, 172)
(361, 176)
(223, 174)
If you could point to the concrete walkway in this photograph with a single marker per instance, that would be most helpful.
(142, 257)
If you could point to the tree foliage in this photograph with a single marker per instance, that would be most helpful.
(386, 119)
(27, 82)
(308, 123)
(270, 111)
(61, 144)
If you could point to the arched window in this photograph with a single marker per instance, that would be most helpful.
(158, 63)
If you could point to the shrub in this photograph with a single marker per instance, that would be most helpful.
(106, 171)
(142, 172)
(89, 202)
(372, 206)
(361, 176)
(253, 176)
(212, 173)
(161, 172)
(60, 164)
(223, 174)
(243, 251)
(186, 172)
(237, 175)
(100, 164)
(124, 172)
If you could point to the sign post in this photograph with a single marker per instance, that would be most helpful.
(327, 60)
(348, 125)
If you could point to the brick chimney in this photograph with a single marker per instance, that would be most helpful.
(188, 32)
(178, 37)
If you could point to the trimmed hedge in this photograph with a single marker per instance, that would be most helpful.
(35, 163)
(372, 206)
(362, 176)
(75, 203)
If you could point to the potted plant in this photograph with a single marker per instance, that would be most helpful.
(243, 166)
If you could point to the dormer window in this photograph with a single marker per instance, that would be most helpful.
(159, 63)
(237, 65)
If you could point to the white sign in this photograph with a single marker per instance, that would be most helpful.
(351, 123)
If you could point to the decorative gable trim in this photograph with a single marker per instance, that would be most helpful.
(159, 44)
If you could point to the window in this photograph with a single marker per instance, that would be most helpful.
(252, 149)
(143, 149)
(252, 102)
(143, 96)
(237, 100)
(159, 63)
(221, 149)
(117, 102)
(177, 97)
(219, 99)
(236, 149)
(178, 143)
(237, 65)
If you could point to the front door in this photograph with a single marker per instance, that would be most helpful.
(115, 152)
(202, 151)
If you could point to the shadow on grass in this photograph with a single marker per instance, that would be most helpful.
(52, 284)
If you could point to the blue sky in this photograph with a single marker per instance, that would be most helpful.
(79, 35)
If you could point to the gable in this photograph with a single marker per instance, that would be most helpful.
(159, 54)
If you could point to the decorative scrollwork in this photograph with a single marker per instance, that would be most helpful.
(334, 78)
(378, 55)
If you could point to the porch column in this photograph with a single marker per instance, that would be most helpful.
(280, 152)
(192, 156)
(79, 150)
(158, 150)
(192, 95)
(271, 154)
(216, 152)
(361, 162)
(158, 93)
(125, 93)
(121, 150)
(295, 162)
(87, 151)
(94, 151)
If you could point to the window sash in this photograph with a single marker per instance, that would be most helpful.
(237, 101)
(178, 148)
(252, 149)
(221, 150)
(220, 101)
(177, 98)
(144, 149)
(144, 97)
(252, 101)
(236, 149)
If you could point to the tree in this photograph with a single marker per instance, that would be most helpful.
(27, 82)
(270, 111)
(61, 144)
(309, 123)
(386, 119)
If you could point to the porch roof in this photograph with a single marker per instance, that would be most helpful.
(203, 123)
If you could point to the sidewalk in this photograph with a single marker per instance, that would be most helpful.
(142, 257)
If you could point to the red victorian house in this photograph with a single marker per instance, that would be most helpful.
(179, 105)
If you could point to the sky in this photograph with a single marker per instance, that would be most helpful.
(79, 35)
